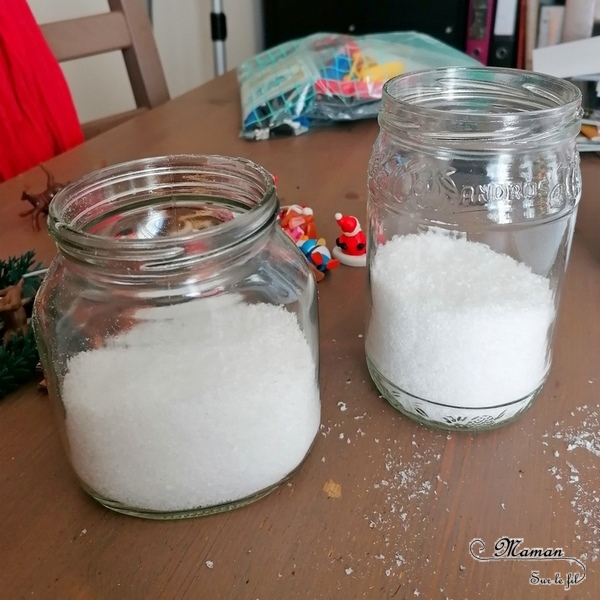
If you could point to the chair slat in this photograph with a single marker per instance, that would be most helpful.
(141, 58)
(87, 36)
(126, 28)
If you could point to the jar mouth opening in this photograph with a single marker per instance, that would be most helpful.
(164, 205)
(477, 92)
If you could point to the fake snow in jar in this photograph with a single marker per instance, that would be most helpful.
(474, 184)
(457, 323)
(187, 379)
(210, 403)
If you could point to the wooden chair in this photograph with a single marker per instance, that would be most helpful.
(127, 28)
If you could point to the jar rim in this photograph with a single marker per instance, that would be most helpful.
(536, 84)
(67, 223)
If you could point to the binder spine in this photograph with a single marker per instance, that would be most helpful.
(550, 26)
(503, 52)
(578, 20)
(479, 29)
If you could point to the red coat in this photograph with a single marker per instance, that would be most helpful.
(37, 116)
(355, 245)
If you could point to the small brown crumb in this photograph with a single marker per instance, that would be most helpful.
(332, 489)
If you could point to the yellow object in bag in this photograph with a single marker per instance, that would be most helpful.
(381, 72)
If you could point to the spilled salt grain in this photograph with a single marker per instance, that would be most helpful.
(210, 564)
(401, 495)
(193, 406)
(589, 440)
(581, 481)
(455, 322)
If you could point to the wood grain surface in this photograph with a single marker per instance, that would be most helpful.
(382, 507)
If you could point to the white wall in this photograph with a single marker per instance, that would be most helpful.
(99, 84)
(182, 30)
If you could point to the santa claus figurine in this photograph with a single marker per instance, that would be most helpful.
(351, 246)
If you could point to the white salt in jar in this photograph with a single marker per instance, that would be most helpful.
(474, 183)
(179, 337)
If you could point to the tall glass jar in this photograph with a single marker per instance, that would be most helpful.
(474, 183)
(178, 333)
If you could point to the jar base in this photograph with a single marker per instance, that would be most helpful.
(453, 418)
(192, 512)
(182, 514)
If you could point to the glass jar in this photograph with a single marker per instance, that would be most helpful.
(178, 333)
(474, 183)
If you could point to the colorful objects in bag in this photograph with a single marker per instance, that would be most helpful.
(325, 78)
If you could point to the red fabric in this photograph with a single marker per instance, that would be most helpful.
(37, 116)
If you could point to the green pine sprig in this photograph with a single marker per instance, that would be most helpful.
(18, 361)
(14, 267)
(19, 356)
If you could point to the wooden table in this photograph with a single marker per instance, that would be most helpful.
(383, 507)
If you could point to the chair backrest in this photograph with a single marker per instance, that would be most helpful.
(127, 28)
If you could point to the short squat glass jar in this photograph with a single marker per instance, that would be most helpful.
(474, 183)
(178, 333)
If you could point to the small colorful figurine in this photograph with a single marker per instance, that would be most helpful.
(298, 221)
(351, 246)
(317, 255)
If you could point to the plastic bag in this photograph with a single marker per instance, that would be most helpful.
(326, 77)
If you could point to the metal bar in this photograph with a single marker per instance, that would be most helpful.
(218, 29)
